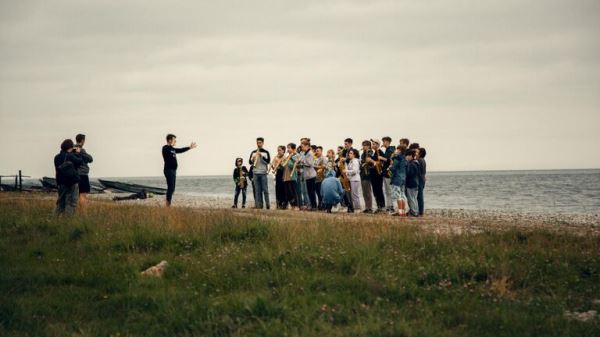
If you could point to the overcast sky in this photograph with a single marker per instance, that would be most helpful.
(482, 85)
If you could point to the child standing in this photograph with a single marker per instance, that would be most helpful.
(240, 178)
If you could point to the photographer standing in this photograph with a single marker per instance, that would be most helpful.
(66, 164)
(84, 170)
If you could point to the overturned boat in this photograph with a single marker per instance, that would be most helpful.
(132, 188)
(50, 185)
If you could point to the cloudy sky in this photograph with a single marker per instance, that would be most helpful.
(483, 85)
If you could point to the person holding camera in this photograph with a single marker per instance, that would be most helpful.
(66, 164)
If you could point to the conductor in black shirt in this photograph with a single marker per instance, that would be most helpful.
(169, 153)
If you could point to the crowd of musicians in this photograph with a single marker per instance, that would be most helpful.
(391, 179)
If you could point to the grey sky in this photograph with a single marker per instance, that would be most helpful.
(483, 85)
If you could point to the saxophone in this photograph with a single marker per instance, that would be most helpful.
(343, 177)
(256, 155)
(242, 182)
(378, 164)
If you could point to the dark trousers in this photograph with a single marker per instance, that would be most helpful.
(318, 190)
(238, 189)
(348, 201)
(377, 185)
(290, 192)
(421, 199)
(171, 176)
(311, 189)
(280, 193)
(68, 197)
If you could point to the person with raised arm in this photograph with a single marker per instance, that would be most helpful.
(169, 153)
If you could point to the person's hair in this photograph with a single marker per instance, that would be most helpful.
(320, 148)
(414, 146)
(404, 141)
(305, 142)
(170, 136)
(237, 160)
(260, 139)
(386, 139)
(67, 144)
(349, 140)
(410, 152)
(366, 142)
(402, 147)
(292, 146)
(314, 147)
(422, 152)
(80, 138)
(281, 147)
(356, 154)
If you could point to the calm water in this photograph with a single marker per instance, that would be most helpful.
(562, 191)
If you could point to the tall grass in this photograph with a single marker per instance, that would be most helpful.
(245, 274)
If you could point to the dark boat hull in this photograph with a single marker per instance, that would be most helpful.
(132, 188)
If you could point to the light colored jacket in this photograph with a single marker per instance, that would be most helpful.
(308, 163)
(353, 170)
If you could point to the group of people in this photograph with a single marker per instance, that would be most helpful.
(72, 175)
(391, 179)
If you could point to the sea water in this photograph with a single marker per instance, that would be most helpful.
(570, 191)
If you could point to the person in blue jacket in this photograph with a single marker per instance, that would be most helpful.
(331, 191)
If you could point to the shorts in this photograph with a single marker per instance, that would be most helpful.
(84, 184)
(398, 192)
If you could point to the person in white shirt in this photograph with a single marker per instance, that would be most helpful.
(353, 172)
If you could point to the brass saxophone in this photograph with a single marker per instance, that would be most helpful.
(242, 182)
(256, 155)
(343, 177)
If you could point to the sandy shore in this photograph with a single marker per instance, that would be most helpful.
(458, 220)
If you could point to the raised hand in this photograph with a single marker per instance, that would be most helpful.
(193, 145)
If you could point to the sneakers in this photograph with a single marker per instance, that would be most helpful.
(368, 211)
(234, 206)
(398, 214)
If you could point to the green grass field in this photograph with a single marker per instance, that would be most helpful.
(235, 274)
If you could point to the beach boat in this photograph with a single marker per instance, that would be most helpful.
(132, 188)
(50, 184)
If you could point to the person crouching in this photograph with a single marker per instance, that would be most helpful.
(332, 192)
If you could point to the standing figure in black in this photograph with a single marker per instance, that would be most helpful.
(169, 153)
(240, 178)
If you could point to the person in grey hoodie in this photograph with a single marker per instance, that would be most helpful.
(310, 174)
(260, 160)
(84, 170)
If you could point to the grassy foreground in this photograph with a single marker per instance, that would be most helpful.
(253, 275)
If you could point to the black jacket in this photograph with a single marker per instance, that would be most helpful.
(169, 156)
(413, 173)
(236, 176)
(62, 157)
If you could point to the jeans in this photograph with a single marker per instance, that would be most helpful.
(319, 197)
(262, 188)
(171, 176)
(238, 189)
(301, 191)
(311, 191)
(389, 203)
(421, 199)
(411, 195)
(68, 196)
(367, 193)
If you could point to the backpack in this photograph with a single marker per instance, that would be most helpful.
(68, 172)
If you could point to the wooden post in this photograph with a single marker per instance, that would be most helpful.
(16, 182)
(20, 181)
